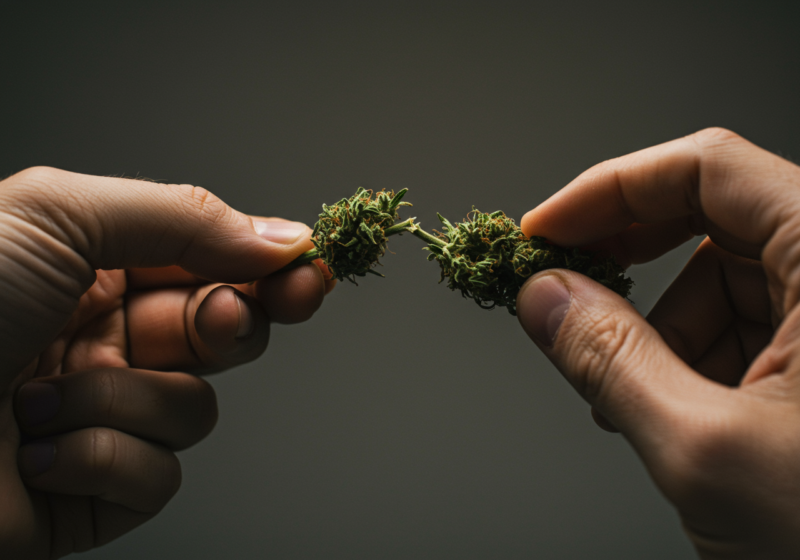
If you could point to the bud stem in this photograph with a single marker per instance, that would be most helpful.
(417, 231)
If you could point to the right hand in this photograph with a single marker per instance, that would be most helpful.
(707, 389)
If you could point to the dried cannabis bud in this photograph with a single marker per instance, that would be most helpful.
(350, 235)
(488, 258)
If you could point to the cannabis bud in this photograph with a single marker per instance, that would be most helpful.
(488, 258)
(350, 235)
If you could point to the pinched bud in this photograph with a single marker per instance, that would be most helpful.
(488, 258)
(351, 236)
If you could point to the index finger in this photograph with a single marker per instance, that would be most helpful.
(712, 181)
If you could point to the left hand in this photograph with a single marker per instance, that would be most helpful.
(108, 294)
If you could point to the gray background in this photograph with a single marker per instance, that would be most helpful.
(402, 421)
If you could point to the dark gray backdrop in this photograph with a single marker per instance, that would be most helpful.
(446, 434)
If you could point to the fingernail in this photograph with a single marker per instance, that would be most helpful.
(246, 323)
(542, 306)
(37, 403)
(279, 231)
(36, 458)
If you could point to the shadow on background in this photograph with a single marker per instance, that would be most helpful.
(402, 421)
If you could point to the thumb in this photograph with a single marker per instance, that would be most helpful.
(608, 352)
(111, 223)
(58, 227)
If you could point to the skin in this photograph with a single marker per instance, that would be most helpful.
(115, 292)
(707, 387)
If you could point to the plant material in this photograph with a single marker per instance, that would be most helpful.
(351, 235)
(488, 258)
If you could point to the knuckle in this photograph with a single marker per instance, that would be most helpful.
(205, 205)
(105, 393)
(605, 167)
(27, 188)
(781, 258)
(38, 175)
(607, 170)
(610, 172)
(104, 453)
(602, 343)
(715, 135)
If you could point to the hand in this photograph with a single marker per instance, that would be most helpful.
(707, 389)
(90, 351)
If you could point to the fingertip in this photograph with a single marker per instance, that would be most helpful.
(602, 422)
(542, 305)
(330, 281)
(527, 222)
(545, 220)
(228, 321)
(217, 319)
(330, 285)
(326, 272)
(292, 296)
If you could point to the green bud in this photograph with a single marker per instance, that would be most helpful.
(350, 235)
(488, 258)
